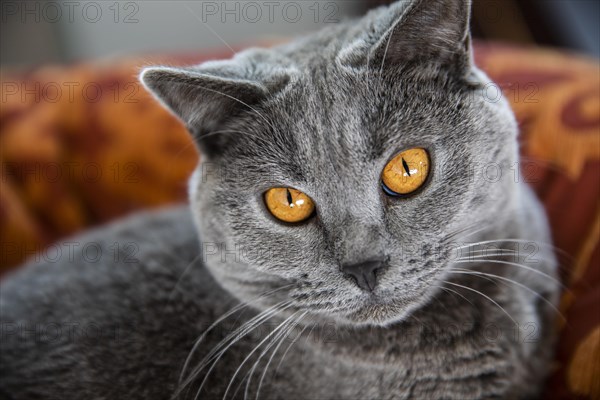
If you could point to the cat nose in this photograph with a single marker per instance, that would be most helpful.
(364, 273)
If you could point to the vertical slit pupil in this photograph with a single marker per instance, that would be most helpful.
(405, 165)
(289, 197)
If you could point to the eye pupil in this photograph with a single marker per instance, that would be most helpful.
(405, 165)
(289, 198)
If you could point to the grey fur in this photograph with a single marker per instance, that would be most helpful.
(324, 115)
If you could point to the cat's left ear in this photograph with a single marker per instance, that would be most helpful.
(419, 32)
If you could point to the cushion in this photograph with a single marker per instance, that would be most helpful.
(85, 144)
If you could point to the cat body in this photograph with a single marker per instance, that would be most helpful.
(449, 318)
(123, 331)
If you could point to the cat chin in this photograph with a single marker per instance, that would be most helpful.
(381, 314)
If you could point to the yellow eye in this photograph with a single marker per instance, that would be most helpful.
(406, 172)
(289, 205)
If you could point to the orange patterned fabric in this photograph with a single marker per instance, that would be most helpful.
(80, 146)
(83, 145)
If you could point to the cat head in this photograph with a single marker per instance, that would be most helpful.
(335, 170)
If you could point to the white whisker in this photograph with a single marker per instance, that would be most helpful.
(185, 270)
(473, 255)
(234, 338)
(522, 241)
(501, 252)
(221, 319)
(245, 134)
(516, 265)
(485, 296)
(387, 45)
(291, 344)
(260, 382)
(209, 28)
(254, 350)
(467, 229)
(278, 339)
(457, 293)
(483, 274)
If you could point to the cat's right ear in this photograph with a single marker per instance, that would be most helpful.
(205, 98)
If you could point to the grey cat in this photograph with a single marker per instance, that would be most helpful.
(374, 295)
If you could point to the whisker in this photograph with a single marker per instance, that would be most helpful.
(254, 350)
(221, 319)
(465, 229)
(516, 265)
(501, 251)
(473, 255)
(209, 28)
(420, 321)
(246, 134)
(483, 274)
(247, 327)
(522, 241)
(291, 344)
(562, 255)
(387, 45)
(278, 339)
(455, 292)
(485, 296)
(236, 336)
(250, 373)
(439, 301)
(291, 328)
(185, 270)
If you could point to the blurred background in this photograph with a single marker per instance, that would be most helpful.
(36, 32)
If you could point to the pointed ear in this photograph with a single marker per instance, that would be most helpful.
(423, 32)
(200, 99)
(208, 96)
